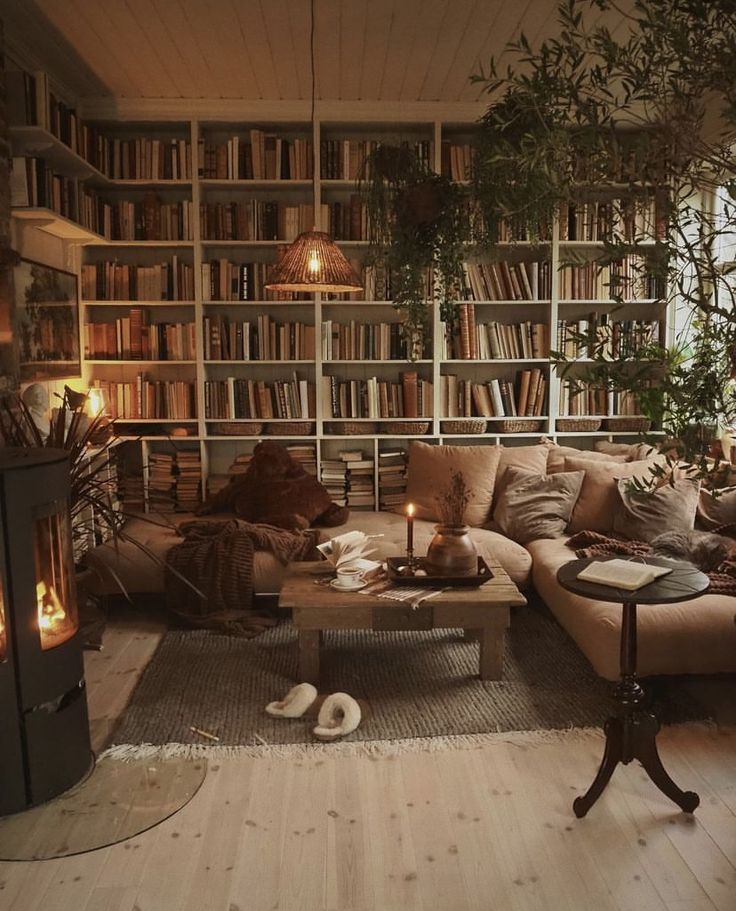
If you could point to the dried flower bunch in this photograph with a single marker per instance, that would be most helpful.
(453, 501)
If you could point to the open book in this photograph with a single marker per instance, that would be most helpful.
(349, 550)
(622, 573)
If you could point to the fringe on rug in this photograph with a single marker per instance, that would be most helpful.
(374, 748)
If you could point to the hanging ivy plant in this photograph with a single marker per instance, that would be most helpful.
(419, 229)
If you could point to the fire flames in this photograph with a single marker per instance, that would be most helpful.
(51, 613)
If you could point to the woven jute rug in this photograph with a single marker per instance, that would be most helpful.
(410, 685)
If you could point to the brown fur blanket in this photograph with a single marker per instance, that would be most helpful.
(217, 559)
(722, 576)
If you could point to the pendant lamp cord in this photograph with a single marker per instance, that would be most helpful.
(311, 57)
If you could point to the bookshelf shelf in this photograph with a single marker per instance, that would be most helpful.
(58, 225)
(128, 362)
(211, 183)
(34, 141)
(102, 242)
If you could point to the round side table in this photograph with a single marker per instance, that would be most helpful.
(632, 733)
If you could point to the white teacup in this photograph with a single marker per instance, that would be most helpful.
(349, 578)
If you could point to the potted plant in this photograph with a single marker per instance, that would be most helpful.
(644, 113)
(451, 551)
(419, 227)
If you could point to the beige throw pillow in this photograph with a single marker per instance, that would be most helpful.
(641, 516)
(532, 506)
(716, 511)
(430, 470)
(599, 495)
(530, 458)
(556, 456)
(632, 451)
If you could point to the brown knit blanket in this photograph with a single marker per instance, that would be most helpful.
(217, 559)
(591, 544)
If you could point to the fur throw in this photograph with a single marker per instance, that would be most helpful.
(276, 490)
(701, 548)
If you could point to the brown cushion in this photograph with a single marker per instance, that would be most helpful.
(632, 451)
(530, 458)
(599, 495)
(641, 516)
(430, 468)
(556, 456)
(531, 505)
(716, 511)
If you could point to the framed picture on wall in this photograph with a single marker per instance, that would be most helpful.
(46, 322)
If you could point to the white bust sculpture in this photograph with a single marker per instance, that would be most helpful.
(36, 398)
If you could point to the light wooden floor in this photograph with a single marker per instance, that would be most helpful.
(487, 828)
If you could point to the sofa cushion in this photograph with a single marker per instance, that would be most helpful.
(642, 515)
(530, 458)
(532, 505)
(632, 451)
(691, 637)
(714, 511)
(430, 468)
(556, 456)
(599, 494)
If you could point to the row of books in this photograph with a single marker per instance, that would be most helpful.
(264, 339)
(344, 159)
(148, 219)
(223, 280)
(235, 399)
(578, 397)
(602, 336)
(346, 220)
(627, 279)
(360, 491)
(259, 156)
(457, 160)
(134, 337)
(411, 397)
(523, 396)
(111, 280)
(470, 340)
(627, 162)
(391, 479)
(33, 183)
(147, 399)
(356, 341)
(255, 219)
(632, 218)
(502, 281)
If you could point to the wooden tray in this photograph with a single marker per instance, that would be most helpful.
(394, 567)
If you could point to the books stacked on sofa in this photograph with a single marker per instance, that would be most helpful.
(391, 480)
(333, 474)
(360, 490)
(304, 454)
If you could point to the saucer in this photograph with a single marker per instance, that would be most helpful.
(347, 588)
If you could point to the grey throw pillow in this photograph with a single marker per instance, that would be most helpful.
(714, 511)
(643, 516)
(532, 506)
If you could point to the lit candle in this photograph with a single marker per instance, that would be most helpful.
(410, 528)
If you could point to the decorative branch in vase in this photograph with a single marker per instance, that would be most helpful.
(452, 551)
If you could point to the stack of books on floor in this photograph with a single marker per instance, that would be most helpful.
(305, 454)
(333, 474)
(359, 485)
(131, 492)
(161, 493)
(188, 480)
(392, 480)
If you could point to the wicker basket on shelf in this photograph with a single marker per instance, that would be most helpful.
(406, 428)
(351, 428)
(465, 425)
(290, 428)
(518, 425)
(628, 424)
(578, 425)
(237, 428)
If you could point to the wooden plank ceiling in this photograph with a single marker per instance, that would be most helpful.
(367, 50)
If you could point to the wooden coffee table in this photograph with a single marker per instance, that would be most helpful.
(316, 607)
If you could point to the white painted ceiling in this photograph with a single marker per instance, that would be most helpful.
(366, 50)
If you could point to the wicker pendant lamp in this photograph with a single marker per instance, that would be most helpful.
(313, 262)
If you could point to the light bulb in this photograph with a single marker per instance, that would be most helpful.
(96, 402)
(313, 264)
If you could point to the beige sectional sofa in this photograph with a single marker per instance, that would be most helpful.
(697, 636)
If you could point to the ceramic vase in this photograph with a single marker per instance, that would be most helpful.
(452, 552)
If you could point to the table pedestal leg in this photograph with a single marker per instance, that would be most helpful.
(632, 734)
(491, 653)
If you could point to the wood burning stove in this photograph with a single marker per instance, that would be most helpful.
(44, 746)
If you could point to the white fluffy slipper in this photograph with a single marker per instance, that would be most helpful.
(339, 715)
(295, 703)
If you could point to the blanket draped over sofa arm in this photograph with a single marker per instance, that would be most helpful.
(217, 559)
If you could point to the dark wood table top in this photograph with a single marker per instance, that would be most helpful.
(684, 582)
